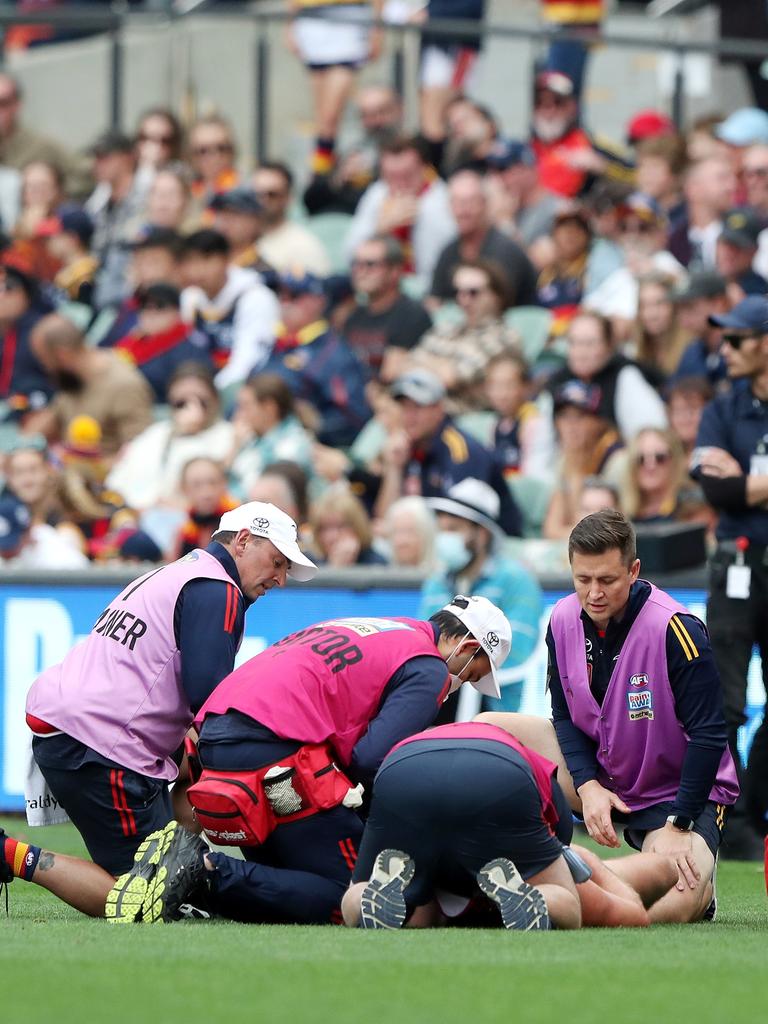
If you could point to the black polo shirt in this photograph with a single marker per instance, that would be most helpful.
(737, 421)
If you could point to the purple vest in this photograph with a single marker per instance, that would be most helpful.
(640, 743)
(119, 691)
(325, 682)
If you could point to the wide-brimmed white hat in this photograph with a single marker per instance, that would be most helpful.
(268, 521)
(490, 627)
(474, 500)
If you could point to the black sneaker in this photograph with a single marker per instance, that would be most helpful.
(6, 875)
(382, 904)
(178, 889)
(125, 898)
(522, 907)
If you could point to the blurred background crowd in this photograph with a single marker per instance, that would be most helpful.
(436, 346)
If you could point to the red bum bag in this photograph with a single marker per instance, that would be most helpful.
(244, 808)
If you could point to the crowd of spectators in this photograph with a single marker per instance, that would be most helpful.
(502, 335)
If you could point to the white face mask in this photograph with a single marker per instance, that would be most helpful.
(456, 680)
(452, 551)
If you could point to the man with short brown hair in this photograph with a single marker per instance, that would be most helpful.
(638, 727)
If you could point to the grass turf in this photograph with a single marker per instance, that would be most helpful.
(59, 967)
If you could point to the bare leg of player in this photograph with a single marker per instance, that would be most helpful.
(538, 734)
(609, 901)
(331, 89)
(80, 883)
(649, 875)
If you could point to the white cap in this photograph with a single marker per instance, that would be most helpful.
(491, 628)
(268, 521)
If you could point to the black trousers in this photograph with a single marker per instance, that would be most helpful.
(735, 627)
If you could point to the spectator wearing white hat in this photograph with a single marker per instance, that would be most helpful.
(470, 556)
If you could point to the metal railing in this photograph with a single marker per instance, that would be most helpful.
(113, 18)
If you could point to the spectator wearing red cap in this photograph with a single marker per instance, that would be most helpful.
(68, 237)
(649, 124)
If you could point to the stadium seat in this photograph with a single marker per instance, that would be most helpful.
(478, 424)
(414, 287)
(447, 315)
(533, 325)
(532, 498)
(331, 229)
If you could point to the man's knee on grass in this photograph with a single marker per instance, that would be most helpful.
(684, 904)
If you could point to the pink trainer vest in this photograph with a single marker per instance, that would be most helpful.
(119, 691)
(641, 744)
(543, 769)
(324, 682)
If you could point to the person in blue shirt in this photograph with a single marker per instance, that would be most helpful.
(705, 295)
(736, 248)
(730, 462)
(431, 453)
(468, 549)
(317, 364)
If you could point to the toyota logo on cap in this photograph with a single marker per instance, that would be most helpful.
(260, 523)
(492, 639)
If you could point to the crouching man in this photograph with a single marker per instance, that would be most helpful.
(469, 827)
(288, 741)
(638, 731)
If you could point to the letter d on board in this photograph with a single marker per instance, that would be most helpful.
(37, 632)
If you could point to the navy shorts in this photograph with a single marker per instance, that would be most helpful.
(709, 824)
(113, 808)
(453, 807)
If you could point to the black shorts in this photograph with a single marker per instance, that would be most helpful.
(113, 808)
(709, 824)
(453, 807)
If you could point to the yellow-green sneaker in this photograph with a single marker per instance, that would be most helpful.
(178, 889)
(124, 900)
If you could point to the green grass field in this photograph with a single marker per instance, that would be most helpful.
(59, 967)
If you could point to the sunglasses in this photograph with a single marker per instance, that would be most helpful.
(219, 148)
(653, 458)
(271, 193)
(471, 293)
(736, 340)
(161, 140)
(638, 228)
(182, 403)
(367, 264)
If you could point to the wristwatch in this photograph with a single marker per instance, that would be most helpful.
(681, 822)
